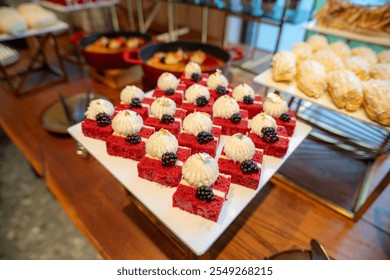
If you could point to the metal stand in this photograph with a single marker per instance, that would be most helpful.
(16, 81)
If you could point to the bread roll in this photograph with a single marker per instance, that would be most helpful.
(341, 49)
(302, 52)
(329, 60)
(380, 71)
(283, 67)
(311, 78)
(359, 66)
(11, 21)
(377, 100)
(384, 56)
(317, 42)
(36, 16)
(366, 53)
(345, 89)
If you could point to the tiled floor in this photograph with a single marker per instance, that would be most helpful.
(33, 224)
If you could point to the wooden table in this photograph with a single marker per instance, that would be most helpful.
(278, 218)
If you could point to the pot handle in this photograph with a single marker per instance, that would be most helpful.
(127, 56)
(239, 53)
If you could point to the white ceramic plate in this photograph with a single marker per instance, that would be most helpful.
(195, 232)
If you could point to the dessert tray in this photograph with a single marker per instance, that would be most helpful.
(324, 101)
(195, 232)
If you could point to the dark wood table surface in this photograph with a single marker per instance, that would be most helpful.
(278, 218)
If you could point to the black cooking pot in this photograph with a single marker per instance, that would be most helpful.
(151, 73)
(104, 61)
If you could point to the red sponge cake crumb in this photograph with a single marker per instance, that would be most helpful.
(177, 96)
(118, 146)
(91, 129)
(190, 108)
(253, 109)
(232, 168)
(290, 125)
(152, 169)
(230, 128)
(185, 199)
(188, 82)
(174, 128)
(215, 95)
(144, 111)
(188, 140)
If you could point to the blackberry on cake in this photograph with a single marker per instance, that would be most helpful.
(133, 98)
(136, 103)
(97, 123)
(275, 106)
(204, 137)
(103, 119)
(227, 114)
(128, 138)
(193, 75)
(169, 86)
(203, 190)
(200, 134)
(267, 135)
(197, 98)
(247, 100)
(163, 159)
(164, 114)
(241, 160)
(218, 85)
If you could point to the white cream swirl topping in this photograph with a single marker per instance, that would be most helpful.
(167, 81)
(99, 106)
(217, 79)
(200, 170)
(197, 122)
(127, 122)
(259, 121)
(195, 91)
(130, 92)
(163, 106)
(274, 105)
(161, 142)
(242, 90)
(225, 107)
(239, 148)
(192, 68)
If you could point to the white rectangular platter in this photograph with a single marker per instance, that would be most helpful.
(57, 28)
(195, 232)
(324, 100)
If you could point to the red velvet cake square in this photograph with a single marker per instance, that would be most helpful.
(290, 125)
(188, 82)
(91, 129)
(250, 180)
(188, 140)
(118, 146)
(174, 128)
(230, 128)
(190, 108)
(253, 109)
(144, 111)
(185, 198)
(277, 149)
(177, 96)
(215, 95)
(152, 169)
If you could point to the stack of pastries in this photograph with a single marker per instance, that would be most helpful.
(353, 78)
